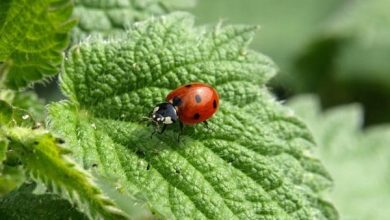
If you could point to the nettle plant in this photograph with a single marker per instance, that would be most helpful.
(94, 150)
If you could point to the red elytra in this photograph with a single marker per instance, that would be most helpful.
(195, 102)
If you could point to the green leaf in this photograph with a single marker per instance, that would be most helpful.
(134, 205)
(256, 162)
(11, 173)
(11, 176)
(3, 149)
(5, 112)
(178, 4)
(33, 34)
(28, 101)
(357, 159)
(107, 17)
(44, 158)
(24, 204)
(13, 116)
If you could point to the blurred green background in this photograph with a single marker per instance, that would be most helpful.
(338, 49)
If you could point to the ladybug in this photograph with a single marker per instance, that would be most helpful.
(189, 104)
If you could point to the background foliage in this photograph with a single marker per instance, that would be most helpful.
(337, 49)
(357, 159)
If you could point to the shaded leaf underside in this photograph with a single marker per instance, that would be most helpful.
(256, 161)
(24, 204)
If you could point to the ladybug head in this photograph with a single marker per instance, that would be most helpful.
(164, 113)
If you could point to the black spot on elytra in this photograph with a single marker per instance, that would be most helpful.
(196, 116)
(198, 99)
(94, 165)
(176, 101)
(215, 103)
(188, 86)
(148, 167)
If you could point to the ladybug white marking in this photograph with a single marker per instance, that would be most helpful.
(168, 120)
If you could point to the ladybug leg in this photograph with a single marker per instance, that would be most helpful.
(207, 125)
(149, 118)
(156, 128)
(154, 131)
(163, 129)
(144, 119)
(181, 126)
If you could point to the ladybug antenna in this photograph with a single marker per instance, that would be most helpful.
(145, 119)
